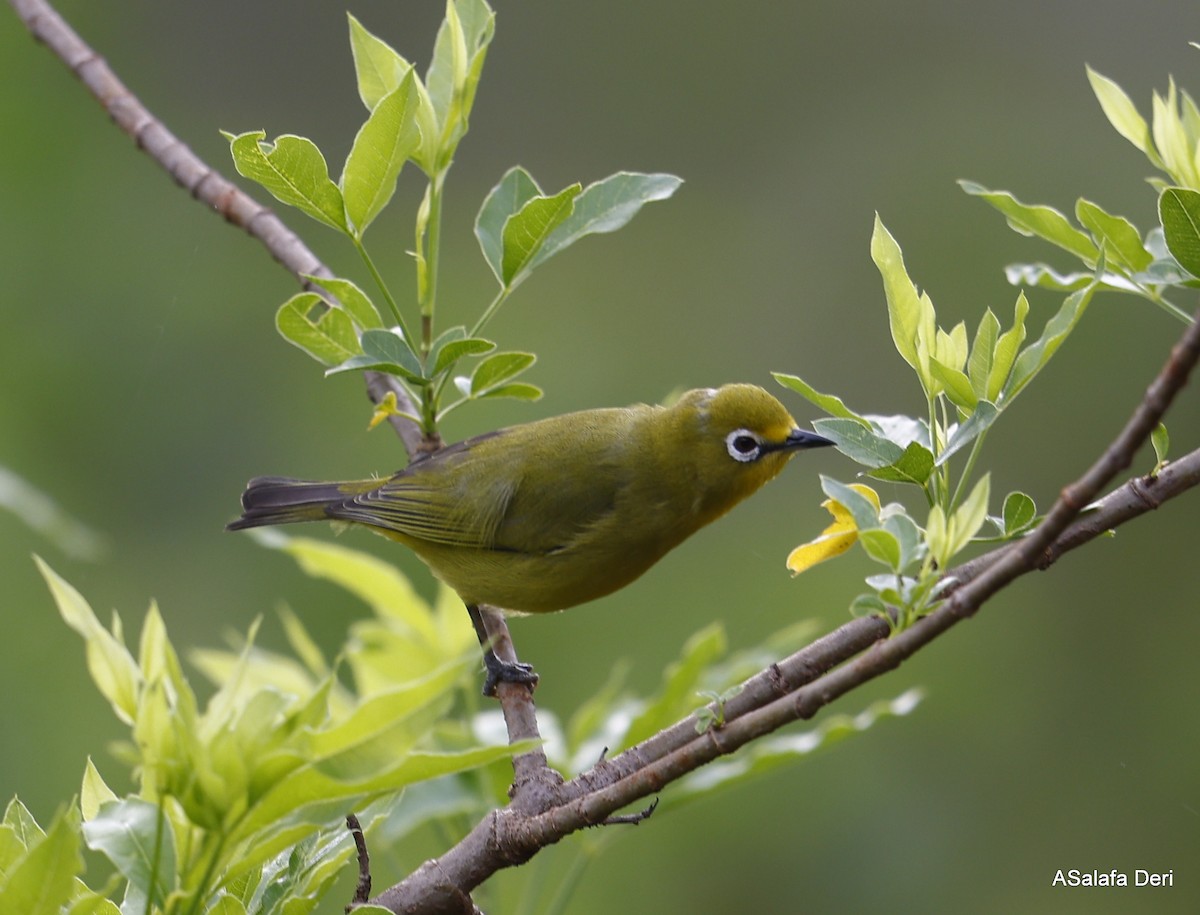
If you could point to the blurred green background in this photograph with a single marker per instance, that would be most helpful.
(143, 383)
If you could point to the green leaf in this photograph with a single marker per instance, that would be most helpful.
(112, 667)
(293, 170)
(526, 231)
(606, 206)
(384, 351)
(882, 546)
(1121, 241)
(385, 141)
(859, 443)
(1019, 512)
(1179, 212)
(955, 384)
(1161, 442)
(95, 792)
(1123, 114)
(975, 425)
(862, 509)
(453, 75)
(913, 466)
(969, 517)
(453, 350)
(378, 67)
(983, 353)
(1037, 354)
(1042, 221)
(1007, 348)
(514, 390)
(910, 314)
(497, 369)
(135, 836)
(513, 191)
(352, 300)
(329, 338)
(908, 535)
(42, 880)
(827, 402)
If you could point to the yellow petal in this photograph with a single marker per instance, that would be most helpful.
(829, 545)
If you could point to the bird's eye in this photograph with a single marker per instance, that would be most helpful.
(743, 445)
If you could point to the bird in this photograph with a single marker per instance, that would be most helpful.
(546, 515)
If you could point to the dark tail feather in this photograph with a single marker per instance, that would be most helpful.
(279, 500)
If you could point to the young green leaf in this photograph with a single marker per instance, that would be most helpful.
(1123, 114)
(860, 443)
(955, 384)
(526, 231)
(1179, 213)
(134, 835)
(112, 667)
(384, 351)
(1120, 238)
(1006, 351)
(976, 424)
(1042, 221)
(516, 390)
(329, 338)
(827, 402)
(497, 369)
(882, 546)
(1037, 354)
(378, 67)
(1019, 513)
(453, 75)
(1161, 442)
(293, 170)
(913, 466)
(606, 206)
(969, 517)
(351, 299)
(983, 353)
(910, 314)
(41, 881)
(383, 144)
(513, 191)
(454, 350)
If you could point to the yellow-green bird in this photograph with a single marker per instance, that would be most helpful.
(553, 513)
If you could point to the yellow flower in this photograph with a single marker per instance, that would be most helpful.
(835, 539)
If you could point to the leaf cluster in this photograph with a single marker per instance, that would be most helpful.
(239, 804)
(968, 380)
(519, 226)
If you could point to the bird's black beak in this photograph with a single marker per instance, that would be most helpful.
(798, 439)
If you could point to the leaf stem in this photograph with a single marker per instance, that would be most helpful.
(387, 295)
(490, 311)
(429, 231)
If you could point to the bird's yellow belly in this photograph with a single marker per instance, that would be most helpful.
(537, 583)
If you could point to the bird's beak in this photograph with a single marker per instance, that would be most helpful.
(798, 439)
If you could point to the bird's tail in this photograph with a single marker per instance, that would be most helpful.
(280, 500)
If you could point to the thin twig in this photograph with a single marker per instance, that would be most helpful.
(362, 890)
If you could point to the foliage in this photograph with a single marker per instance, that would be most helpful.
(519, 226)
(239, 806)
(967, 386)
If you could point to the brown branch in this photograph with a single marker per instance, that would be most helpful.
(544, 809)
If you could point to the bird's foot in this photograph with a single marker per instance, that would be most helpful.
(506, 672)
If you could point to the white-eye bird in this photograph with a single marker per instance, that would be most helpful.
(549, 514)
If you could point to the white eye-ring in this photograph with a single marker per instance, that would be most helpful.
(743, 445)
